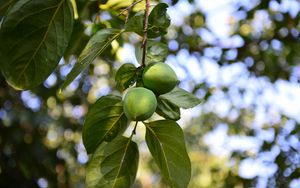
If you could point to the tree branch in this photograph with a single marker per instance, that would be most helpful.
(145, 37)
(128, 9)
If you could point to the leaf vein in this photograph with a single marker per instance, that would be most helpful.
(43, 39)
(123, 157)
(163, 152)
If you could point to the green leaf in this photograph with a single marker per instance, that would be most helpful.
(165, 141)
(126, 75)
(167, 109)
(97, 44)
(159, 21)
(78, 40)
(104, 121)
(113, 165)
(34, 35)
(136, 23)
(156, 52)
(181, 98)
(4, 4)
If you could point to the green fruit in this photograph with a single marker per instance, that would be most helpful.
(139, 104)
(160, 78)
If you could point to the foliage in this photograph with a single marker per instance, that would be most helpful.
(107, 112)
(36, 55)
(41, 129)
(161, 137)
(118, 163)
(33, 54)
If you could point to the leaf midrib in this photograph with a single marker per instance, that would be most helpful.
(103, 48)
(43, 39)
(19, 21)
(5, 4)
(164, 155)
(83, 63)
(113, 124)
(122, 160)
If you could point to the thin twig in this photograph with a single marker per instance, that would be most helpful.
(128, 9)
(145, 37)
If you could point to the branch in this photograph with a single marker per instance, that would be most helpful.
(128, 9)
(145, 37)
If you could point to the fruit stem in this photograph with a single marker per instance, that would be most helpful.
(145, 37)
(134, 130)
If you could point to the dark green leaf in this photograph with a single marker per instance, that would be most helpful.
(104, 121)
(33, 40)
(181, 98)
(113, 165)
(139, 77)
(165, 141)
(156, 52)
(159, 21)
(78, 40)
(98, 43)
(126, 75)
(167, 109)
(136, 23)
(4, 4)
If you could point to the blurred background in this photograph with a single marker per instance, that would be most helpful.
(241, 57)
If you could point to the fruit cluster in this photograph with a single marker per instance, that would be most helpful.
(140, 102)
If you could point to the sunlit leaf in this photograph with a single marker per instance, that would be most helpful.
(159, 21)
(115, 4)
(34, 35)
(166, 143)
(156, 52)
(181, 98)
(113, 165)
(104, 121)
(97, 44)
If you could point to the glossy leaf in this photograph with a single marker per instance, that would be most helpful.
(33, 40)
(97, 44)
(181, 98)
(113, 165)
(126, 75)
(165, 141)
(136, 23)
(104, 121)
(167, 110)
(156, 52)
(159, 21)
